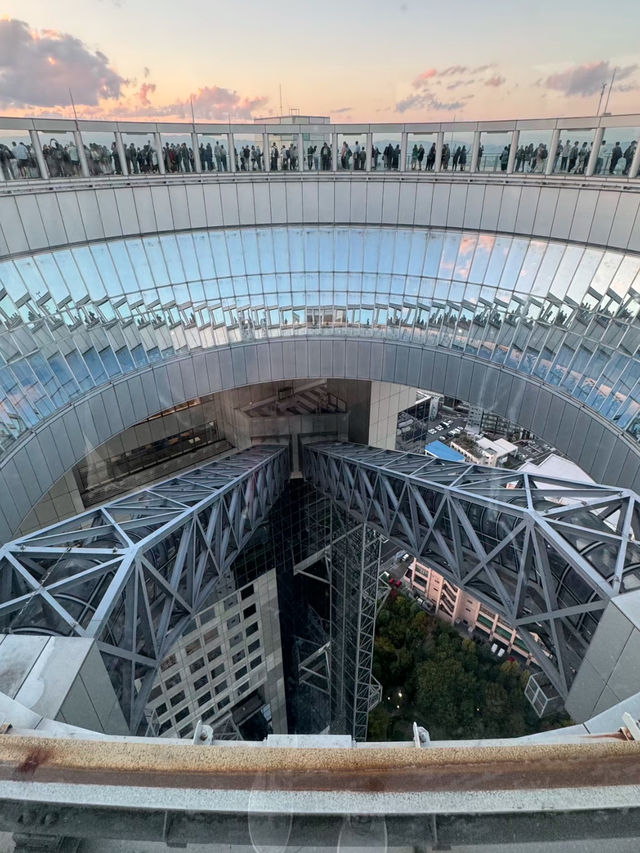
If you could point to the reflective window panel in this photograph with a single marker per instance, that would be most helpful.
(388, 147)
(617, 150)
(177, 153)
(572, 154)
(352, 152)
(317, 152)
(493, 154)
(100, 151)
(214, 156)
(60, 154)
(17, 157)
(421, 151)
(140, 153)
(533, 151)
(283, 152)
(456, 151)
(248, 152)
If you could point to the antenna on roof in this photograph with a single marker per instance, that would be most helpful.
(606, 103)
(73, 106)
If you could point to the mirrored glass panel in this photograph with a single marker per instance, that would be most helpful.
(283, 152)
(456, 151)
(421, 151)
(248, 152)
(140, 153)
(317, 152)
(177, 153)
(616, 153)
(572, 154)
(60, 154)
(213, 152)
(17, 157)
(493, 153)
(387, 146)
(533, 151)
(352, 152)
(100, 151)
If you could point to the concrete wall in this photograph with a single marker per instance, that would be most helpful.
(62, 678)
(39, 218)
(610, 671)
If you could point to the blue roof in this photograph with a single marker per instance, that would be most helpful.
(441, 451)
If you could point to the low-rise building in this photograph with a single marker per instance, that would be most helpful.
(449, 602)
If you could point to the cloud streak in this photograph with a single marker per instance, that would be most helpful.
(585, 80)
(39, 68)
(428, 101)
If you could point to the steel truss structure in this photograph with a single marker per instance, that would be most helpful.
(545, 553)
(132, 573)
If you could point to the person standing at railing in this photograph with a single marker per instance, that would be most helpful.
(480, 153)
(583, 159)
(573, 157)
(520, 159)
(217, 153)
(628, 157)
(325, 157)
(504, 158)
(566, 153)
(462, 160)
(414, 158)
(616, 154)
(601, 158)
(431, 157)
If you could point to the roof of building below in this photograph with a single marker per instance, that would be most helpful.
(442, 451)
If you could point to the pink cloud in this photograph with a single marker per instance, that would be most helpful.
(496, 81)
(142, 95)
(421, 79)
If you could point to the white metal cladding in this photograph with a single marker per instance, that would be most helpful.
(74, 319)
(545, 553)
(133, 572)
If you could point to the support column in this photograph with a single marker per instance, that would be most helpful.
(593, 156)
(334, 151)
(404, 137)
(475, 151)
(121, 154)
(196, 152)
(437, 166)
(266, 153)
(369, 158)
(551, 156)
(157, 141)
(231, 156)
(82, 155)
(37, 148)
(515, 138)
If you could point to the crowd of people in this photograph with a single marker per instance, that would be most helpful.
(19, 161)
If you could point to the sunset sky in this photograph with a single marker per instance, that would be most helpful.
(369, 61)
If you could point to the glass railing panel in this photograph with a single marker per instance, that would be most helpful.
(140, 153)
(493, 153)
(421, 152)
(617, 150)
(573, 151)
(387, 146)
(177, 153)
(316, 152)
(283, 152)
(214, 156)
(60, 154)
(101, 153)
(533, 151)
(17, 157)
(456, 151)
(352, 153)
(248, 152)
